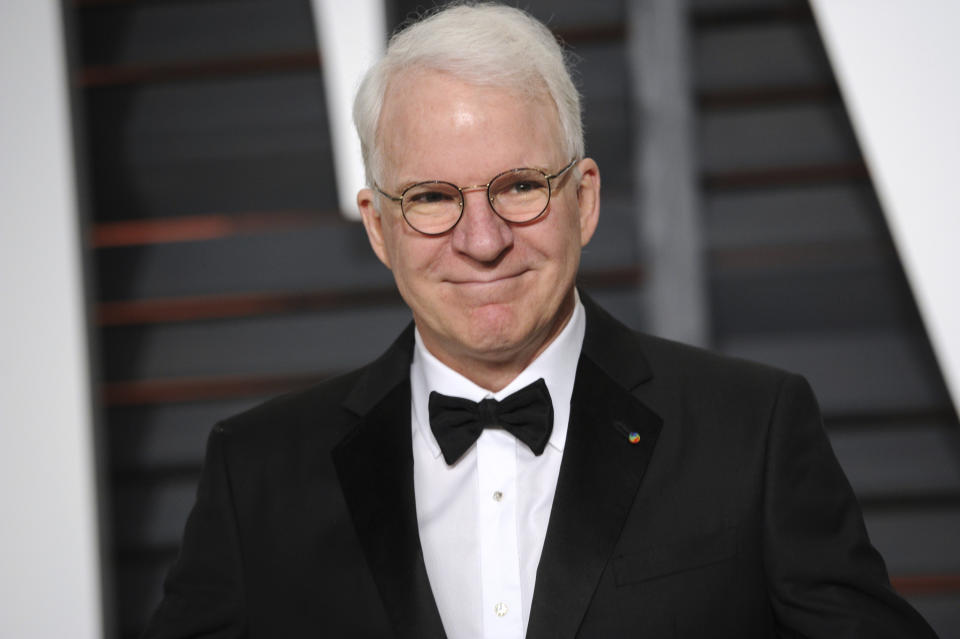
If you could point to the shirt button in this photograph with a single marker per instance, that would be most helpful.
(500, 609)
(497, 496)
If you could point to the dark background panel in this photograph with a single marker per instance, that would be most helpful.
(854, 372)
(321, 257)
(828, 213)
(325, 342)
(770, 55)
(226, 144)
(128, 33)
(776, 135)
(883, 464)
(821, 297)
(148, 438)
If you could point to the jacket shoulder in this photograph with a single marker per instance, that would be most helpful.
(678, 360)
(635, 358)
(312, 413)
(713, 386)
(326, 411)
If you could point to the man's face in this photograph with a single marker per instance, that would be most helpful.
(487, 293)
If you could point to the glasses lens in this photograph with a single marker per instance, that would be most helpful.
(520, 196)
(431, 207)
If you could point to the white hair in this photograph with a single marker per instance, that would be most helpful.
(484, 44)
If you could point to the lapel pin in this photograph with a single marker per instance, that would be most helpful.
(632, 436)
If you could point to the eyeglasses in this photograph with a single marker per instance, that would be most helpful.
(516, 196)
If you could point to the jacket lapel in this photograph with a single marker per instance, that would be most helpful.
(599, 476)
(375, 467)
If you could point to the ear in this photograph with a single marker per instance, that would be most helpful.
(373, 223)
(588, 198)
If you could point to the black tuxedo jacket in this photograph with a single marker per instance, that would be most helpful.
(729, 518)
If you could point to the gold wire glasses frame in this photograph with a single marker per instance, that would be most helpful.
(516, 196)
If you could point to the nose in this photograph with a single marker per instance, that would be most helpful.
(481, 234)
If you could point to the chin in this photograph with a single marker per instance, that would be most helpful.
(504, 340)
(491, 329)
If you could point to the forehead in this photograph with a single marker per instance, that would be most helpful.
(433, 124)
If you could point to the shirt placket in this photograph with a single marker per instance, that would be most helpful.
(497, 529)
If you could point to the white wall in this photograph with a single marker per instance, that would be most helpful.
(352, 36)
(897, 66)
(49, 565)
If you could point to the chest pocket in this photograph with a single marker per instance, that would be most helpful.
(661, 560)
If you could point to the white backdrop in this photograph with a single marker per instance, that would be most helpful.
(897, 66)
(352, 36)
(49, 565)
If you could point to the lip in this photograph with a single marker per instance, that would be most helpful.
(485, 281)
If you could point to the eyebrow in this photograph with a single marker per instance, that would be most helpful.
(406, 185)
(411, 182)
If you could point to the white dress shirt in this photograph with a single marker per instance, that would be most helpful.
(482, 521)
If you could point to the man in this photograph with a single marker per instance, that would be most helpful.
(518, 464)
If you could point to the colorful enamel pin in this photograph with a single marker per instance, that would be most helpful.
(632, 436)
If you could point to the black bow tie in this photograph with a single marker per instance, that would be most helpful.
(526, 414)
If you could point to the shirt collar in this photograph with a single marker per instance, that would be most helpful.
(557, 365)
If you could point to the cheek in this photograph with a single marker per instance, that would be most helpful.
(397, 245)
(565, 237)
(413, 258)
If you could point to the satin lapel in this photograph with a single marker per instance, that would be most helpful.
(375, 468)
(599, 478)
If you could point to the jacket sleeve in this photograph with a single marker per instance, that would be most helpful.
(203, 593)
(826, 579)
